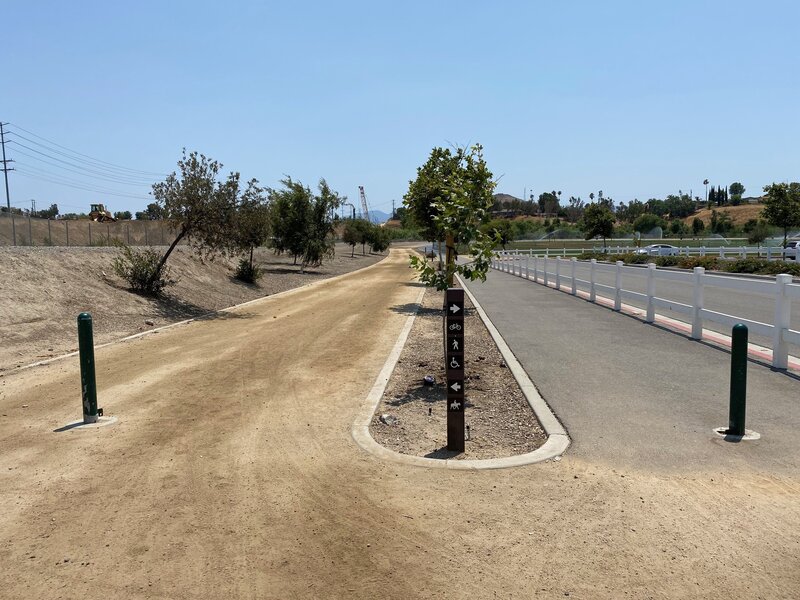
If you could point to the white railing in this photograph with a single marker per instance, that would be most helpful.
(558, 272)
(767, 252)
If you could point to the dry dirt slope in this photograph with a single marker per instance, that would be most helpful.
(43, 289)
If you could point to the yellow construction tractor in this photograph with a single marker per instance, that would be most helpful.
(100, 214)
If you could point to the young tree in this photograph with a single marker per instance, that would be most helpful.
(318, 241)
(355, 233)
(289, 212)
(251, 227)
(123, 215)
(598, 220)
(782, 206)
(758, 233)
(198, 206)
(302, 222)
(457, 186)
(379, 239)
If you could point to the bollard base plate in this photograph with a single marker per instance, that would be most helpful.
(749, 435)
(101, 422)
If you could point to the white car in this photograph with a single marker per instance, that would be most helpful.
(659, 250)
(790, 252)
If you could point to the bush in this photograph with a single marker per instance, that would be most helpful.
(247, 272)
(140, 269)
(762, 266)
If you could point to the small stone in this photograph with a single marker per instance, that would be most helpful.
(389, 420)
(503, 364)
(24, 406)
(428, 380)
(149, 322)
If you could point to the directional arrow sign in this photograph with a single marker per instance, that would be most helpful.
(454, 309)
(456, 387)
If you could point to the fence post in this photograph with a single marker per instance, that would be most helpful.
(536, 269)
(90, 232)
(702, 250)
(527, 267)
(558, 272)
(13, 229)
(49, 233)
(780, 348)
(128, 232)
(651, 292)
(618, 287)
(592, 265)
(547, 253)
(30, 232)
(66, 228)
(769, 252)
(721, 252)
(697, 304)
(545, 271)
(573, 261)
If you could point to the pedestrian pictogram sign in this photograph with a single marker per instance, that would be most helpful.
(454, 366)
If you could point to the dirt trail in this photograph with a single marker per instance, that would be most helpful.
(232, 473)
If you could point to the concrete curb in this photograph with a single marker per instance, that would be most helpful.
(201, 317)
(557, 439)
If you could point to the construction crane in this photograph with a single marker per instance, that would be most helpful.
(364, 207)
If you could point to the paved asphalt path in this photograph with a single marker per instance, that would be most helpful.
(636, 395)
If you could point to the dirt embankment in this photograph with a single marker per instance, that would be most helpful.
(45, 288)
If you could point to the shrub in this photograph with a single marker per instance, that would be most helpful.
(762, 266)
(249, 273)
(140, 268)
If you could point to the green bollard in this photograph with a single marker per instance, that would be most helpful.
(88, 385)
(738, 400)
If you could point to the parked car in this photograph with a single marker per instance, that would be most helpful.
(659, 250)
(790, 252)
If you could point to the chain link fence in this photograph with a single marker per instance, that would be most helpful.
(19, 230)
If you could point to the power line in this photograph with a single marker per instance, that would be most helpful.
(85, 155)
(98, 174)
(81, 163)
(80, 187)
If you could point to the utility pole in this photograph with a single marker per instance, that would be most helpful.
(394, 214)
(33, 207)
(5, 164)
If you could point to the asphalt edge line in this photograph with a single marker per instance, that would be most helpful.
(557, 439)
(233, 308)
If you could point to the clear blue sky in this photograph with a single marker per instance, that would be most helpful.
(636, 98)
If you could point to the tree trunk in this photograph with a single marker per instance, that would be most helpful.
(450, 247)
(251, 258)
(166, 255)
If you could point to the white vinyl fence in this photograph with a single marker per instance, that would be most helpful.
(768, 252)
(559, 272)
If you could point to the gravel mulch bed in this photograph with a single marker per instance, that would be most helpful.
(500, 421)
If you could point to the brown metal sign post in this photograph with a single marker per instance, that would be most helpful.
(454, 367)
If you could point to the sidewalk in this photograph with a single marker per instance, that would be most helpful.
(637, 395)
